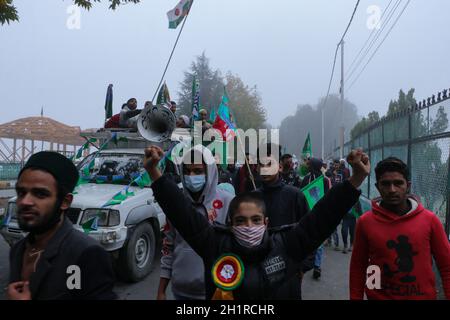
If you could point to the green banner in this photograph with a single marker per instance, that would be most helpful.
(314, 192)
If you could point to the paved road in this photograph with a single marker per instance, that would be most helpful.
(332, 286)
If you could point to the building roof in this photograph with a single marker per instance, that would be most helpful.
(41, 129)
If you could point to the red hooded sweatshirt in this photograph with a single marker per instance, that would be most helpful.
(402, 247)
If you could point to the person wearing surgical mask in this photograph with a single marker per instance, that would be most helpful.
(180, 265)
(245, 259)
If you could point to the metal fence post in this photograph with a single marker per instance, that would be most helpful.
(447, 217)
(409, 141)
(370, 157)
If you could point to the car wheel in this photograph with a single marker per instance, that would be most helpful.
(136, 257)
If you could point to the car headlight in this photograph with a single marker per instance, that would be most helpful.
(12, 210)
(106, 217)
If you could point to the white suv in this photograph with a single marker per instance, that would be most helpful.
(130, 230)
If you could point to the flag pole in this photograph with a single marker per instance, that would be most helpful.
(246, 161)
(171, 54)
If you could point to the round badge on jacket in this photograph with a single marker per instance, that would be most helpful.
(228, 272)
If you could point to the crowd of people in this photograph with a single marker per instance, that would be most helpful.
(237, 233)
(128, 116)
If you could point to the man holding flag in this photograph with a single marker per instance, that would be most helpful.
(314, 186)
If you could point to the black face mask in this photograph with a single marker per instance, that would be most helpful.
(48, 224)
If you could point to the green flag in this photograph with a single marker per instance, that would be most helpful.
(143, 180)
(307, 152)
(212, 116)
(163, 95)
(363, 205)
(90, 225)
(195, 99)
(122, 196)
(314, 192)
(109, 102)
(177, 14)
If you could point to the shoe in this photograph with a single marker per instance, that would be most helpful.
(316, 273)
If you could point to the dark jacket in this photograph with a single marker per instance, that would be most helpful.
(284, 204)
(314, 173)
(269, 266)
(67, 247)
(291, 178)
(242, 182)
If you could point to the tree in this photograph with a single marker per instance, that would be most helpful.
(294, 129)
(372, 118)
(403, 102)
(8, 12)
(245, 102)
(440, 123)
(211, 86)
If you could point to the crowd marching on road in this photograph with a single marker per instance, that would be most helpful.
(238, 233)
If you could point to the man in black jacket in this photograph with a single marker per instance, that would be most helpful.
(267, 259)
(288, 174)
(285, 204)
(54, 261)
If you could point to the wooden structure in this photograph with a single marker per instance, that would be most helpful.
(27, 133)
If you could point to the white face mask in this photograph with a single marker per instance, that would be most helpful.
(249, 236)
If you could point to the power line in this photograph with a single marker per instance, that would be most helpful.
(350, 22)
(332, 71)
(370, 36)
(376, 50)
(337, 48)
(375, 39)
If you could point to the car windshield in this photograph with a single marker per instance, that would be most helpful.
(112, 168)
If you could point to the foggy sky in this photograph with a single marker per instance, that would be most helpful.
(284, 47)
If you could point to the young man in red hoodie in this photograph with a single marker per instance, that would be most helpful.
(400, 237)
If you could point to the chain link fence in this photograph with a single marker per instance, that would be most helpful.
(9, 171)
(420, 137)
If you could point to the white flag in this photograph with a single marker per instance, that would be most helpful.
(177, 14)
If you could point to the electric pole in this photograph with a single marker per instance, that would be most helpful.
(342, 128)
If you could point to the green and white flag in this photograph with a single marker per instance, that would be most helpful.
(314, 192)
(143, 180)
(163, 95)
(90, 225)
(307, 152)
(177, 14)
(195, 99)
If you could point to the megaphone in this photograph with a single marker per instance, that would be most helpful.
(156, 123)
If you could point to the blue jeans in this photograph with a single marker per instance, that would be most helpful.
(318, 257)
(348, 227)
(335, 238)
